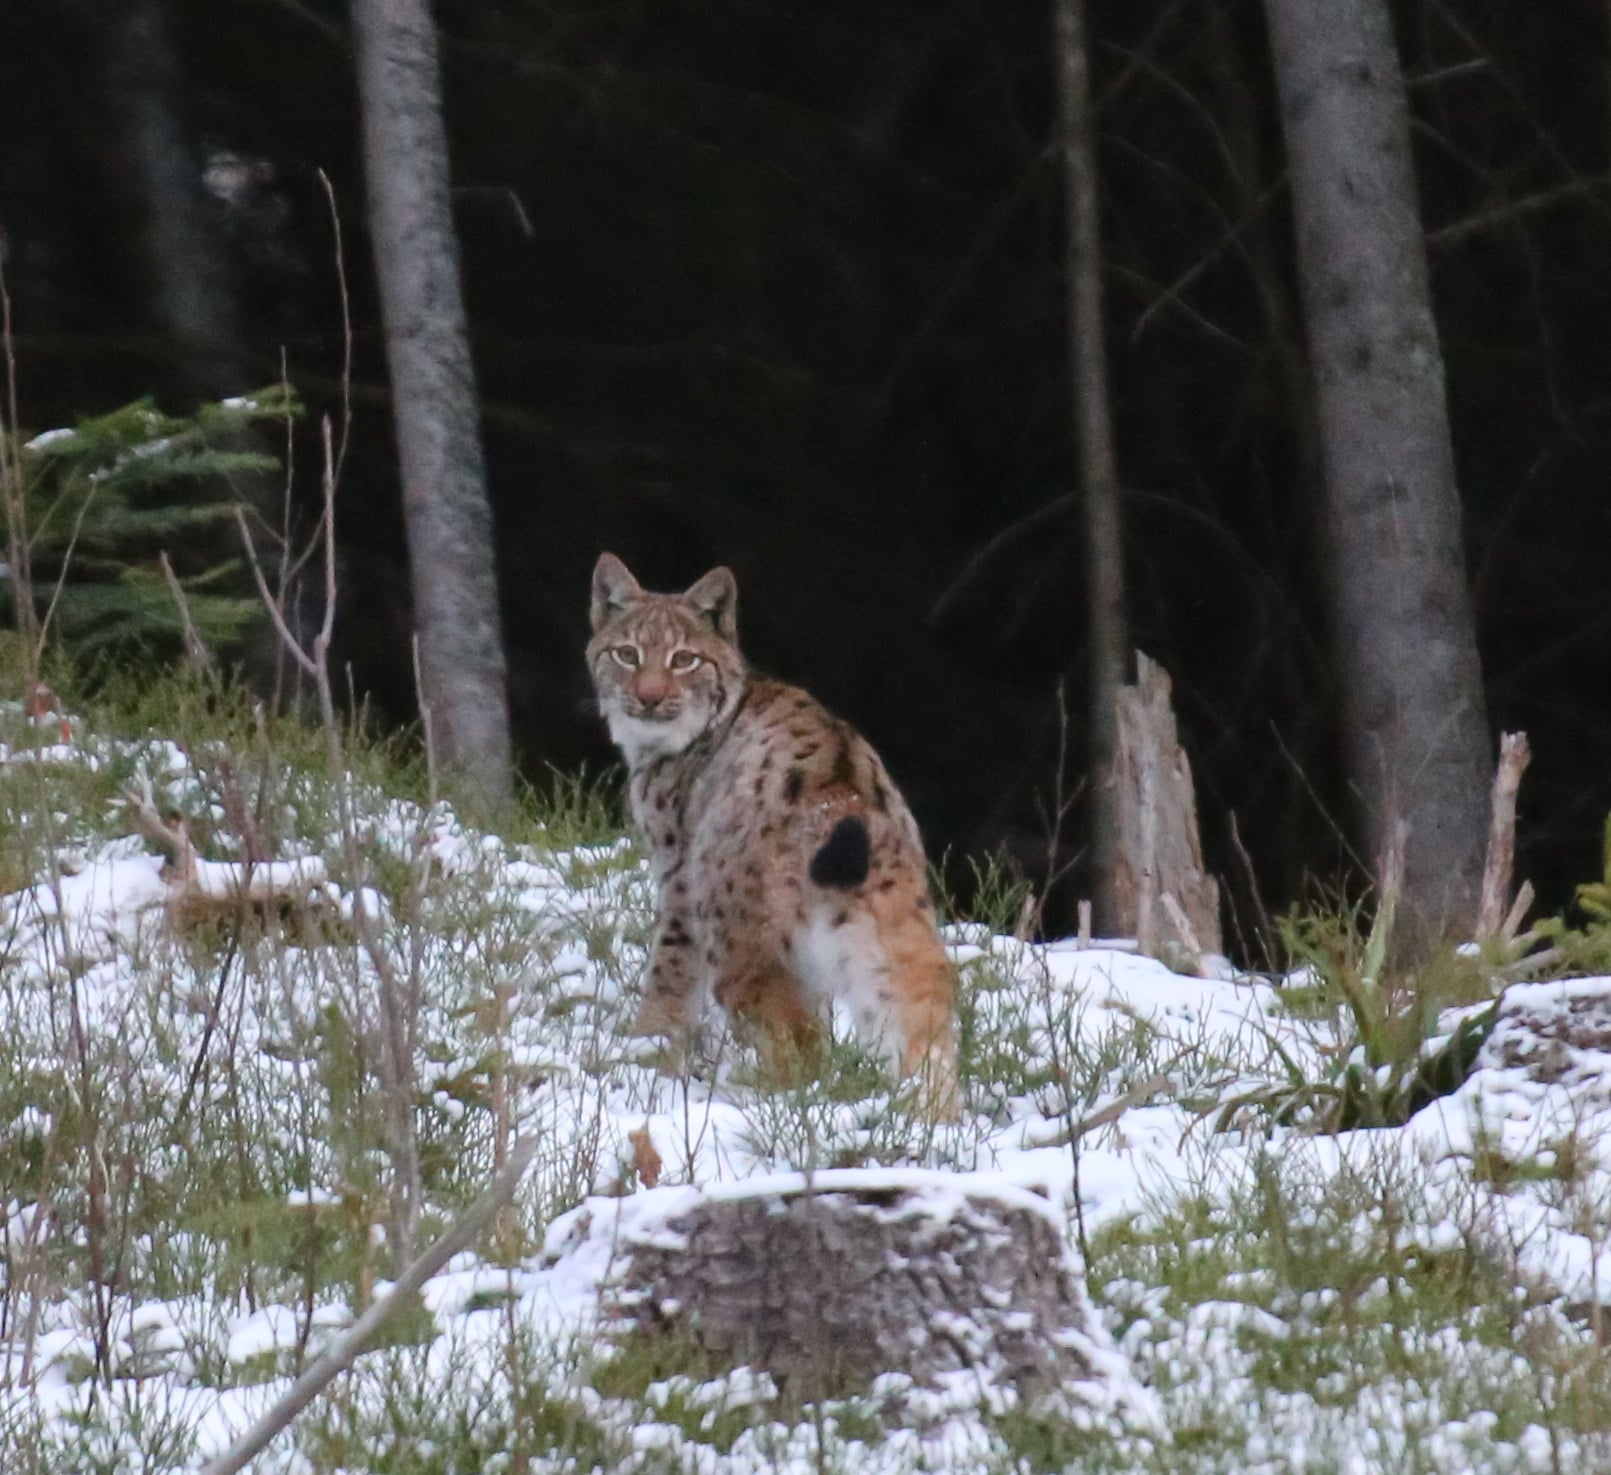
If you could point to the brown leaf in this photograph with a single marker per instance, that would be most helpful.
(644, 1158)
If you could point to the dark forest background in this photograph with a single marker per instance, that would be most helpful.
(781, 285)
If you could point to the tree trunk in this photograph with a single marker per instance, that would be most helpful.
(1417, 734)
(186, 266)
(1104, 546)
(446, 512)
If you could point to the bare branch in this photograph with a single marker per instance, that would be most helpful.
(502, 192)
(346, 321)
(13, 491)
(1513, 210)
(275, 613)
(1137, 1095)
(195, 646)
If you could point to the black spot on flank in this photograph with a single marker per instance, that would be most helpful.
(842, 860)
(760, 785)
(841, 917)
(887, 884)
(793, 784)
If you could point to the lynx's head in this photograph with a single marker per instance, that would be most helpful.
(665, 665)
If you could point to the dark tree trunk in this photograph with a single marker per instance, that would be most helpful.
(445, 507)
(1417, 737)
(1107, 638)
(186, 265)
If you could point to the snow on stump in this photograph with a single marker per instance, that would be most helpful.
(827, 1284)
(1554, 1033)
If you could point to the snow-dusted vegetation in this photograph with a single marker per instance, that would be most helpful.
(266, 1030)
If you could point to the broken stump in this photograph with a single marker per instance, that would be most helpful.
(827, 1282)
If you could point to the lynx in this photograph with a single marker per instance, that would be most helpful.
(791, 872)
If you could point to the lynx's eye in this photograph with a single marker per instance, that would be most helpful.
(683, 661)
(626, 655)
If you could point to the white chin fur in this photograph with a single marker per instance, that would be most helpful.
(639, 739)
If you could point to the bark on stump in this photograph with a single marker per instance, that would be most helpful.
(826, 1288)
(1167, 902)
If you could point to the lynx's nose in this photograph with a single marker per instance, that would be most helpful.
(652, 689)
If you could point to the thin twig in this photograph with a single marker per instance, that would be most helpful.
(1266, 926)
(328, 29)
(502, 192)
(195, 647)
(1512, 210)
(15, 499)
(211, 1025)
(61, 576)
(1518, 909)
(346, 323)
(294, 650)
(425, 723)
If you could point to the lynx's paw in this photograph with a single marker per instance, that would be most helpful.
(659, 1015)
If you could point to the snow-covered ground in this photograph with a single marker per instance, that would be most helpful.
(526, 956)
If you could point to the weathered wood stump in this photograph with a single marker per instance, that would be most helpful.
(826, 1285)
(1166, 900)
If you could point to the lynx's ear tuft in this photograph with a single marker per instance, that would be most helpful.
(613, 585)
(716, 597)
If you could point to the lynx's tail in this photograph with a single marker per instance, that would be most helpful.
(843, 859)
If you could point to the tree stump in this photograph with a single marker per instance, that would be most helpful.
(827, 1284)
(1166, 901)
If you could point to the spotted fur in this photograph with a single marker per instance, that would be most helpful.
(791, 871)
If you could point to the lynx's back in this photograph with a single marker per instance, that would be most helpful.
(791, 871)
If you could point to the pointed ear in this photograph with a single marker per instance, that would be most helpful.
(613, 585)
(716, 597)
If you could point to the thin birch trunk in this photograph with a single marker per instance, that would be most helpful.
(445, 506)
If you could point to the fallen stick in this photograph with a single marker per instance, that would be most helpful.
(340, 1353)
(1138, 1095)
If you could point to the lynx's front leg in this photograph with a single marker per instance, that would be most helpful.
(671, 978)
